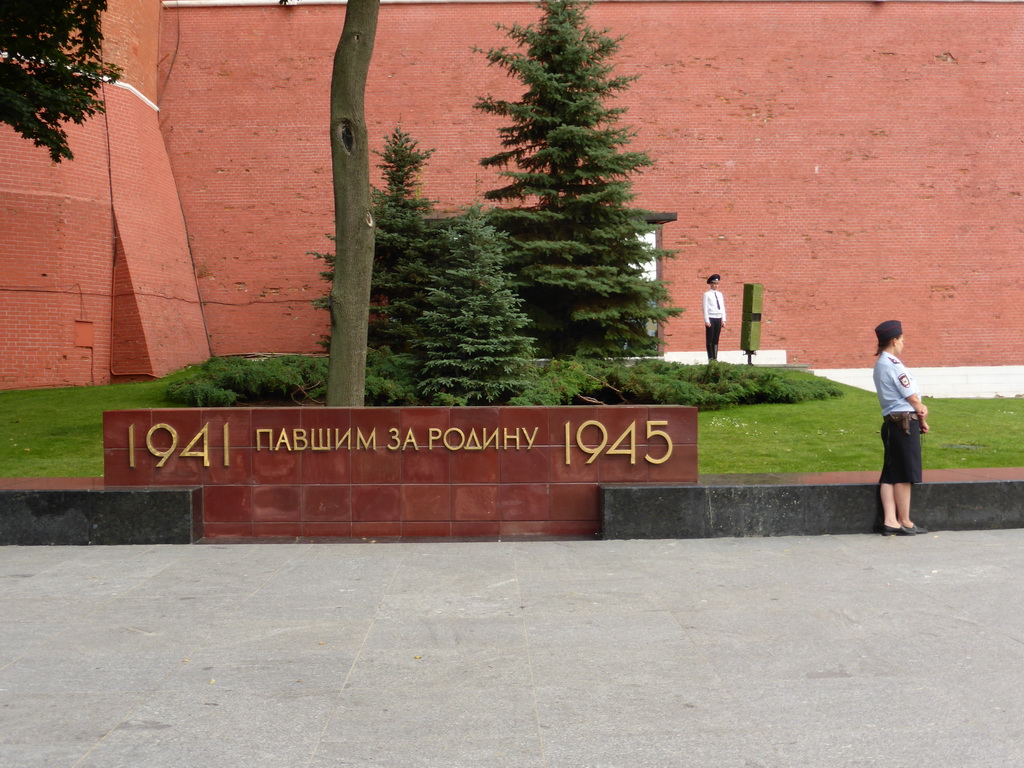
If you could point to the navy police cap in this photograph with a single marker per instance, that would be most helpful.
(890, 329)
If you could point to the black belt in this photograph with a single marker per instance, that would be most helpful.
(903, 419)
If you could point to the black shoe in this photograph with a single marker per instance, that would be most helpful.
(897, 531)
(914, 531)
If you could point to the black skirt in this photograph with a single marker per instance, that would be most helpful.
(902, 463)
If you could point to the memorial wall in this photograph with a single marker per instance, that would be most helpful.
(400, 472)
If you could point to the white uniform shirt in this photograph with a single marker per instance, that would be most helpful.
(894, 385)
(714, 305)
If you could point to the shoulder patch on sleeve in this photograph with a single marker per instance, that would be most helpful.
(904, 380)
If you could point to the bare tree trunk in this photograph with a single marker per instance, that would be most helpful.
(353, 215)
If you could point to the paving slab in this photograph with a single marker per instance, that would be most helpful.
(788, 652)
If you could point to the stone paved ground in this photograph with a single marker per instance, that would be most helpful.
(795, 652)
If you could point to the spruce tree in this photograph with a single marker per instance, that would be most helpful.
(577, 256)
(404, 247)
(471, 348)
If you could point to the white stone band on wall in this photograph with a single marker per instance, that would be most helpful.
(136, 91)
(966, 381)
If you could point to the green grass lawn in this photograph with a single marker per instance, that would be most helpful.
(843, 435)
(59, 432)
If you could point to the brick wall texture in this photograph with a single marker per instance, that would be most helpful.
(861, 161)
(56, 239)
(97, 281)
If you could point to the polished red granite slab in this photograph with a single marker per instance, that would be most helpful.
(401, 472)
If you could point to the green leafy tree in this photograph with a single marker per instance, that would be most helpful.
(578, 253)
(472, 349)
(51, 68)
(405, 244)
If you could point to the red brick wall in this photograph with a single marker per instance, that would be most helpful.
(245, 127)
(58, 246)
(131, 39)
(56, 242)
(861, 161)
(157, 293)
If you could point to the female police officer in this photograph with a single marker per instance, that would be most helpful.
(904, 421)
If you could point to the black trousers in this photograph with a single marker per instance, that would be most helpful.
(711, 334)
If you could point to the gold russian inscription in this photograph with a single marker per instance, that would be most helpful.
(282, 439)
(491, 439)
(615, 450)
(514, 437)
(410, 438)
(462, 439)
(593, 453)
(624, 445)
(320, 439)
(163, 455)
(653, 432)
(591, 438)
(366, 442)
(203, 438)
(260, 433)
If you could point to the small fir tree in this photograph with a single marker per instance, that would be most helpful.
(405, 245)
(472, 349)
(578, 254)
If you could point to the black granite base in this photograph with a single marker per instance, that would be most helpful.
(122, 516)
(708, 511)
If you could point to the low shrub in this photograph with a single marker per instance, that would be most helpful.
(391, 380)
(200, 392)
(711, 386)
(241, 380)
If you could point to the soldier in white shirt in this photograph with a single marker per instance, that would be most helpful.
(904, 421)
(714, 316)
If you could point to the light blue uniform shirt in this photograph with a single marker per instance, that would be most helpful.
(894, 385)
